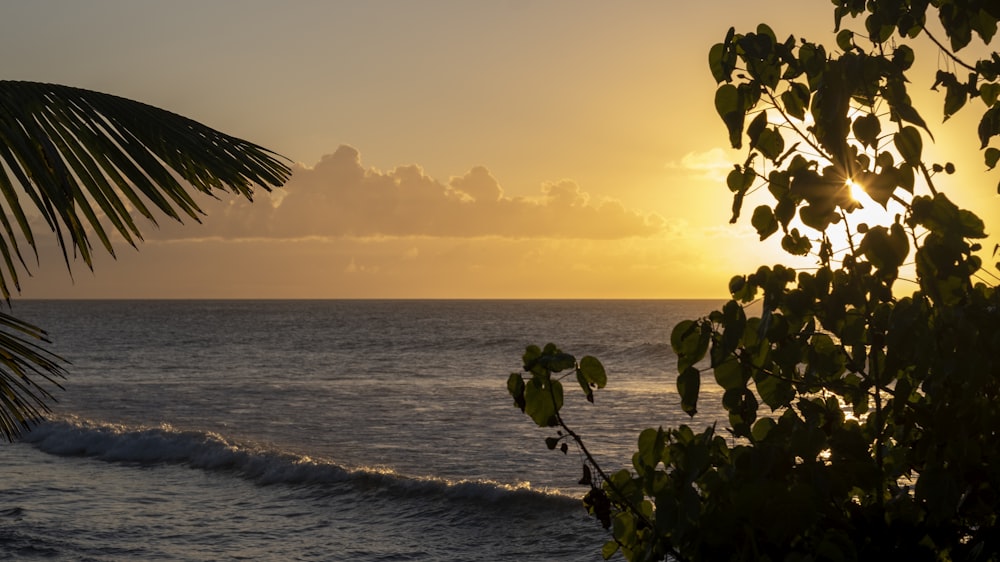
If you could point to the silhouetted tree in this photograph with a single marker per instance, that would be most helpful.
(883, 408)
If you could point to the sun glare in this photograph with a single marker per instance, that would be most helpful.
(870, 213)
(857, 192)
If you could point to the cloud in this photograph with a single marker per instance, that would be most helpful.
(339, 197)
(713, 164)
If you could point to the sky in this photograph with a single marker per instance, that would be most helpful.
(441, 149)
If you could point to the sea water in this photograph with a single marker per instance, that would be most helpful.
(326, 430)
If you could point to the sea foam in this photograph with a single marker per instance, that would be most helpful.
(74, 436)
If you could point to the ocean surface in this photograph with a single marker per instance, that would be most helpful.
(325, 430)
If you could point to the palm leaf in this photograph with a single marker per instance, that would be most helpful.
(23, 362)
(88, 161)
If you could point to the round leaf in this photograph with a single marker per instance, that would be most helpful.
(593, 371)
(909, 144)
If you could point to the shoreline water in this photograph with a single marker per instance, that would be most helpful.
(344, 430)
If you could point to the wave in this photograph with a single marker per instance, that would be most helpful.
(660, 352)
(74, 436)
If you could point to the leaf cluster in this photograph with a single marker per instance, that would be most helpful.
(860, 420)
(541, 394)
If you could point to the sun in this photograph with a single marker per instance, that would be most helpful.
(868, 213)
(857, 192)
(871, 212)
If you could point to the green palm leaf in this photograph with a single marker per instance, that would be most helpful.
(87, 162)
(22, 364)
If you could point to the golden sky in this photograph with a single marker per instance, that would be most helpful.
(442, 149)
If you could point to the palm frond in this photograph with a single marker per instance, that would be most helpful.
(22, 362)
(76, 156)
(79, 155)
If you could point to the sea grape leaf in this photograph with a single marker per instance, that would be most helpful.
(547, 360)
(722, 58)
(984, 24)
(796, 100)
(680, 333)
(812, 57)
(825, 357)
(903, 57)
(624, 526)
(972, 225)
(729, 105)
(956, 93)
(992, 156)
(989, 125)
(955, 98)
(759, 55)
(743, 288)
(515, 386)
(734, 321)
(796, 244)
(688, 386)
(762, 428)
(763, 220)
(560, 362)
(909, 144)
(593, 371)
(778, 183)
(884, 248)
(845, 39)
(742, 407)
(650, 451)
(729, 375)
(784, 211)
(756, 127)
(904, 177)
(938, 213)
(885, 160)
(543, 398)
(689, 341)
(867, 129)
(989, 93)
(770, 143)
(739, 181)
(531, 353)
(906, 112)
(716, 62)
(765, 30)
(774, 391)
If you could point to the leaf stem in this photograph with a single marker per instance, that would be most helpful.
(948, 52)
(607, 479)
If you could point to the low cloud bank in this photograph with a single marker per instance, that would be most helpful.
(339, 197)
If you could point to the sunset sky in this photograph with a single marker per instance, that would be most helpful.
(442, 149)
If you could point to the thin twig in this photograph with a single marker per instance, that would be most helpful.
(948, 52)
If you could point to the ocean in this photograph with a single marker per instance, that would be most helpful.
(326, 430)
